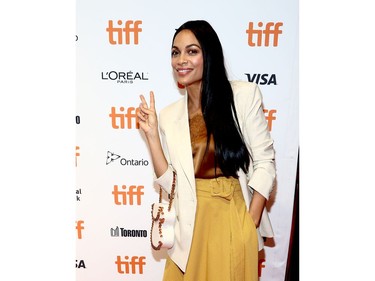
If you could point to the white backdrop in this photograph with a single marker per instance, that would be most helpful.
(123, 50)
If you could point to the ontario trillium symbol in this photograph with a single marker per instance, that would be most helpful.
(111, 157)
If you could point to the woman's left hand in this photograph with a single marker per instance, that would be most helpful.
(256, 207)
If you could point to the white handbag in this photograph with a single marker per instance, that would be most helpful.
(163, 220)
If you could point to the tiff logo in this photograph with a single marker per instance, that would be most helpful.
(77, 154)
(270, 117)
(262, 36)
(126, 266)
(116, 34)
(127, 197)
(79, 227)
(119, 118)
(261, 265)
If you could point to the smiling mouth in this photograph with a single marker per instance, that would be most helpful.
(183, 70)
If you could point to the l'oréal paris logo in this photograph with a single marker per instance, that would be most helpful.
(124, 77)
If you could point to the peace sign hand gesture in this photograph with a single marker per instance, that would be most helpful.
(148, 122)
(147, 117)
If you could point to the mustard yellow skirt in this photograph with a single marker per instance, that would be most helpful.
(225, 243)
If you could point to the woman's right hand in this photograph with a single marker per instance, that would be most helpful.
(147, 118)
(148, 122)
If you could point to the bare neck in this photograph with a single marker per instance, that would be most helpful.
(194, 100)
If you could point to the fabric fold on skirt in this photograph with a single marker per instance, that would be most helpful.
(225, 243)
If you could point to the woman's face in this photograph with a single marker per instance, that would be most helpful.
(187, 59)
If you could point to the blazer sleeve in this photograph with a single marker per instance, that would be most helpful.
(165, 180)
(262, 171)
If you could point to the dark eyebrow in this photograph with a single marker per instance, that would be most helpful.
(193, 45)
(188, 46)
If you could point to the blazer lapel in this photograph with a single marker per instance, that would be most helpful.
(183, 144)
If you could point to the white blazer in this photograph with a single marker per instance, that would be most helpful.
(175, 135)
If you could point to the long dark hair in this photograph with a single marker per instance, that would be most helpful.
(217, 102)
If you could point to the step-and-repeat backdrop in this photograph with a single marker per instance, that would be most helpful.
(123, 50)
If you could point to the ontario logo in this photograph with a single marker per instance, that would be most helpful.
(113, 157)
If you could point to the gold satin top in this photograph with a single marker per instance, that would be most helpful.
(204, 165)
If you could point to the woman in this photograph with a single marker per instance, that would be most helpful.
(224, 180)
